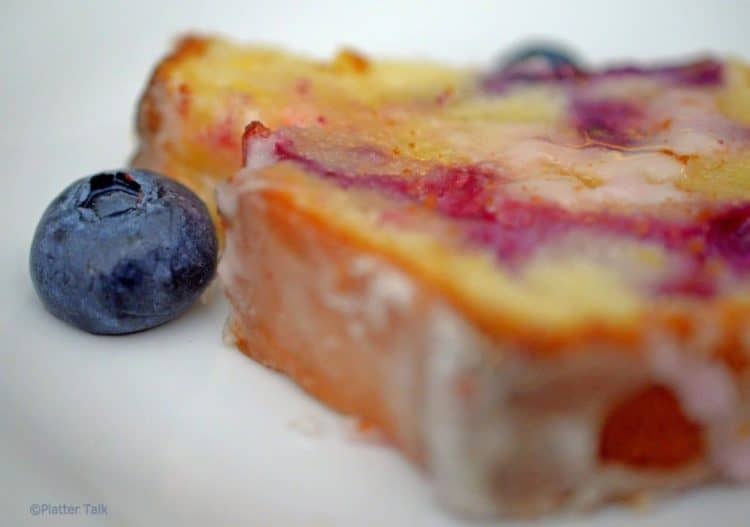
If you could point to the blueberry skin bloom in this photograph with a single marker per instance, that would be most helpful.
(123, 251)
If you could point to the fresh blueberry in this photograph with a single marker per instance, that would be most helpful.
(123, 251)
(549, 57)
(533, 64)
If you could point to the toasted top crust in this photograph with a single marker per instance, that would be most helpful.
(202, 95)
(594, 205)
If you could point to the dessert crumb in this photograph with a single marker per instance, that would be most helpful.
(308, 426)
(363, 431)
(640, 502)
(227, 335)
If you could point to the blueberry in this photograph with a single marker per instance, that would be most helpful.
(547, 56)
(533, 64)
(123, 251)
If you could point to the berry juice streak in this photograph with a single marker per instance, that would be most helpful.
(512, 229)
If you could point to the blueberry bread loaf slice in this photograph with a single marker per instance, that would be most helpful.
(534, 282)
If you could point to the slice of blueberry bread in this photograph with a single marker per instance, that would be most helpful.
(535, 281)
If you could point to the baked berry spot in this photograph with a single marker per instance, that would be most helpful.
(608, 121)
(650, 431)
(702, 72)
(729, 236)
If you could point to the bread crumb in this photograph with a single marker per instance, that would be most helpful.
(308, 426)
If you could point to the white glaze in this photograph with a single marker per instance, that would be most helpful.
(385, 290)
(453, 350)
(526, 426)
(260, 153)
(709, 395)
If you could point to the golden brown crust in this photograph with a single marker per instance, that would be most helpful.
(148, 118)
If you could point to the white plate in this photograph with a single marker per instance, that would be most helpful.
(172, 427)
